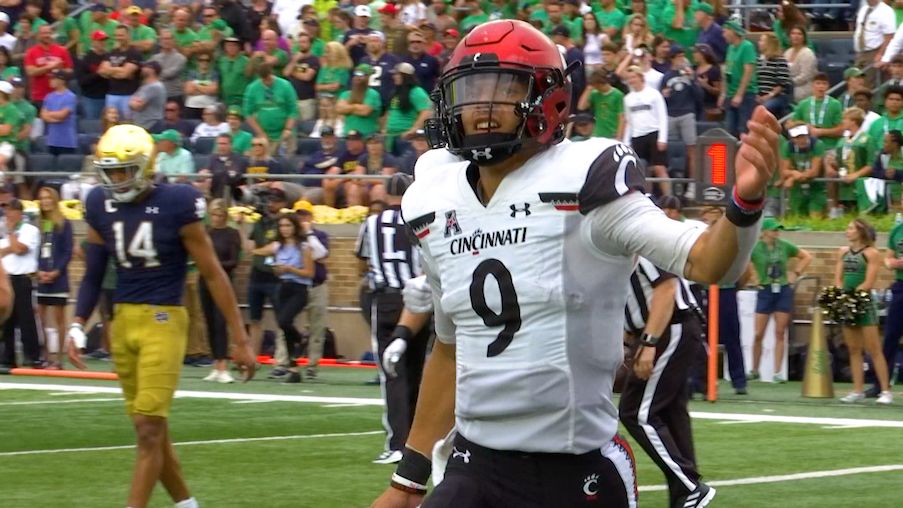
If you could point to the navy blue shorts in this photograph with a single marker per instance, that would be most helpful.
(769, 302)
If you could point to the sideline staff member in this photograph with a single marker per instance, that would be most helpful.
(19, 251)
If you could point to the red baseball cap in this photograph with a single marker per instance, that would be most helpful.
(389, 8)
(99, 35)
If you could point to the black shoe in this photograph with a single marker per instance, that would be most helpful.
(699, 498)
(374, 381)
(292, 378)
(278, 373)
(873, 392)
(203, 361)
(741, 391)
(311, 373)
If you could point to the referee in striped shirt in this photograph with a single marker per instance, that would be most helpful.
(663, 315)
(392, 259)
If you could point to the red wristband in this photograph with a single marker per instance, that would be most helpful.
(748, 206)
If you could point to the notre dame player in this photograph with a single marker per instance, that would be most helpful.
(150, 230)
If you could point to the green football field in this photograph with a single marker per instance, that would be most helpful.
(66, 443)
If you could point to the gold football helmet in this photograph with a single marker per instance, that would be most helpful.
(130, 149)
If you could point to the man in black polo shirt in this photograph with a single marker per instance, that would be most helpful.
(122, 66)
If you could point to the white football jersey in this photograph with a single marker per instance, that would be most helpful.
(531, 296)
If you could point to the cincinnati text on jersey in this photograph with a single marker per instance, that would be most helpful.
(480, 240)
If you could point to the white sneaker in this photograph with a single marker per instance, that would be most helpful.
(224, 377)
(885, 398)
(213, 376)
(853, 397)
(690, 191)
(388, 457)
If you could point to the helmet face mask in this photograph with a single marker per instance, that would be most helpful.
(122, 189)
(504, 88)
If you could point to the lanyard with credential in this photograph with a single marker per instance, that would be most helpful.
(821, 114)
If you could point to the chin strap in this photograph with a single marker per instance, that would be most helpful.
(489, 149)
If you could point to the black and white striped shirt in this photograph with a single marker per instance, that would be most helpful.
(643, 280)
(383, 241)
(773, 72)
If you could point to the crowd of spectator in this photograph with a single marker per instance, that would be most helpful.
(335, 87)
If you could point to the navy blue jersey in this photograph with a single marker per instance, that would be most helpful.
(143, 238)
(381, 79)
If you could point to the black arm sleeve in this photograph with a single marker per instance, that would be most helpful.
(613, 174)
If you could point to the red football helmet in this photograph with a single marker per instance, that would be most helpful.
(505, 66)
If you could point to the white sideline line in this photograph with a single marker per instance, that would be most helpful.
(265, 397)
(193, 443)
(73, 401)
(340, 405)
(268, 397)
(788, 477)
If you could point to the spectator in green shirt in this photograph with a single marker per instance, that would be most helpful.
(67, 33)
(606, 103)
(271, 110)
(183, 34)
(11, 122)
(172, 158)
(679, 22)
(361, 105)
(892, 119)
(771, 258)
(822, 113)
(32, 13)
(271, 53)
(335, 71)
(611, 19)
(241, 139)
(7, 71)
(144, 38)
(93, 19)
(409, 107)
(801, 163)
(235, 72)
(29, 112)
(214, 29)
(850, 158)
(740, 84)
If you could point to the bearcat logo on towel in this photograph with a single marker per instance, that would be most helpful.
(562, 201)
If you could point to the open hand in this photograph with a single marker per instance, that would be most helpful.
(758, 157)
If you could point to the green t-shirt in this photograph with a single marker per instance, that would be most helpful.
(852, 154)
(232, 78)
(272, 106)
(144, 33)
(241, 141)
(330, 75)
(64, 28)
(898, 13)
(473, 20)
(88, 27)
(827, 112)
(606, 108)
(10, 72)
(895, 244)
(366, 125)
(29, 112)
(10, 114)
(400, 121)
(686, 35)
(205, 33)
(878, 129)
(801, 160)
(505, 11)
(281, 61)
(771, 262)
(739, 55)
(318, 48)
(614, 18)
(184, 38)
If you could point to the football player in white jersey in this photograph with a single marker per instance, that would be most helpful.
(528, 243)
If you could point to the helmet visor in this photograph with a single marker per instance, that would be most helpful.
(482, 87)
(487, 106)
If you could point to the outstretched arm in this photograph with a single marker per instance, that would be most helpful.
(96, 257)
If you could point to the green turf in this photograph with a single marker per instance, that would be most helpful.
(335, 471)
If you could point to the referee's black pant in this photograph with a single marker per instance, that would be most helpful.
(24, 318)
(400, 392)
(654, 411)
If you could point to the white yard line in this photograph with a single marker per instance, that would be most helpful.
(353, 401)
(194, 443)
(789, 477)
(73, 401)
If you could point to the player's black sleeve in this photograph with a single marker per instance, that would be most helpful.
(614, 173)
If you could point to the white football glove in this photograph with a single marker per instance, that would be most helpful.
(442, 450)
(418, 296)
(77, 335)
(392, 355)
